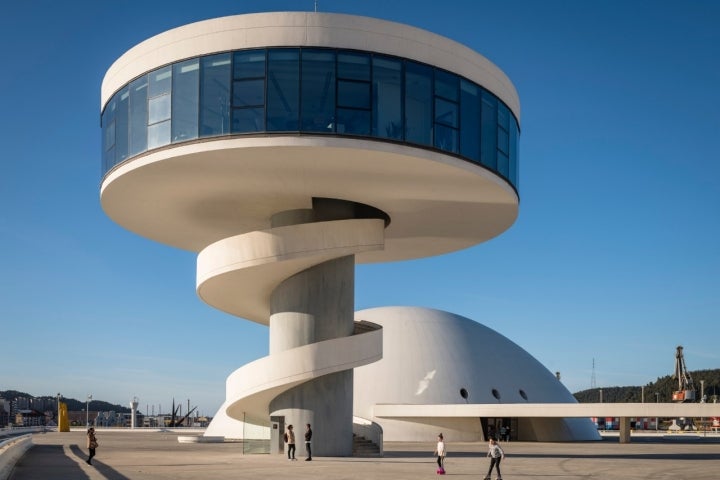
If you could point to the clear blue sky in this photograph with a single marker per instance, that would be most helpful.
(615, 255)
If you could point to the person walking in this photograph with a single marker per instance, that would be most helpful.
(92, 444)
(308, 438)
(440, 452)
(291, 443)
(496, 454)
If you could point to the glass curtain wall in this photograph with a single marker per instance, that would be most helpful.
(311, 90)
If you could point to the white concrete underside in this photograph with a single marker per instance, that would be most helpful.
(192, 195)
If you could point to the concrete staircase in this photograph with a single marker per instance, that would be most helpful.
(362, 447)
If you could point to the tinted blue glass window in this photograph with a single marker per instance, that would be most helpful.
(418, 103)
(353, 66)
(108, 134)
(503, 129)
(446, 138)
(247, 93)
(488, 135)
(446, 112)
(249, 64)
(248, 120)
(159, 104)
(138, 115)
(185, 100)
(318, 91)
(387, 98)
(159, 134)
(215, 95)
(160, 81)
(503, 141)
(122, 126)
(283, 90)
(446, 85)
(503, 164)
(514, 137)
(159, 109)
(470, 116)
(353, 121)
(353, 94)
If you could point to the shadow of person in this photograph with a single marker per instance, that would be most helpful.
(107, 471)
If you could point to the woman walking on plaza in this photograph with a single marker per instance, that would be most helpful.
(496, 454)
(440, 452)
(92, 444)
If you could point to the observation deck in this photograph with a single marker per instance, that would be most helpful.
(286, 147)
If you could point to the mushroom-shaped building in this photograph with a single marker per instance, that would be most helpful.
(285, 147)
(440, 359)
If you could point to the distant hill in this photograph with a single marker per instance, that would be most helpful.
(73, 405)
(663, 386)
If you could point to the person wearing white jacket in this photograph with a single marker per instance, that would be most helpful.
(496, 454)
(440, 452)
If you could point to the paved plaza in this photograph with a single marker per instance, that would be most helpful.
(158, 455)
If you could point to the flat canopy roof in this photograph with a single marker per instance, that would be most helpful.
(555, 410)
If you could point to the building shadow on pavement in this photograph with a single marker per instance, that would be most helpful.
(105, 470)
(47, 462)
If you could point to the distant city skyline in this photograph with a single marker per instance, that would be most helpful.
(616, 248)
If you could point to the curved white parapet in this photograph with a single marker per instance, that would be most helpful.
(308, 29)
(11, 451)
(238, 274)
(251, 388)
(254, 385)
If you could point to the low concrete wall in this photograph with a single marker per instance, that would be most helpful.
(11, 451)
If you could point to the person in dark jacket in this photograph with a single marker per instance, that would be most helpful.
(92, 444)
(291, 443)
(308, 438)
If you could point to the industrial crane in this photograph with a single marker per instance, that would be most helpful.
(686, 389)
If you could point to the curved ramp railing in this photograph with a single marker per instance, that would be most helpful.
(239, 275)
(250, 388)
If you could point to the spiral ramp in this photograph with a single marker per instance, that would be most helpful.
(290, 278)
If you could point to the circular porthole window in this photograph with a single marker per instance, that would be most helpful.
(495, 393)
(523, 394)
(464, 393)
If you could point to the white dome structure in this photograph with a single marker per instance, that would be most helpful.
(432, 357)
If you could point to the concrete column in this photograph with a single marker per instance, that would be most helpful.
(314, 305)
(624, 433)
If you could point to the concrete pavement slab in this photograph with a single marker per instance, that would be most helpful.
(123, 455)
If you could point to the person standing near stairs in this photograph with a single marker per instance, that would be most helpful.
(308, 438)
(291, 443)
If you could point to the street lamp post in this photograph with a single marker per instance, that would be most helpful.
(702, 400)
(87, 410)
(57, 418)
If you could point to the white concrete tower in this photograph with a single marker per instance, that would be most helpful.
(133, 411)
(284, 148)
